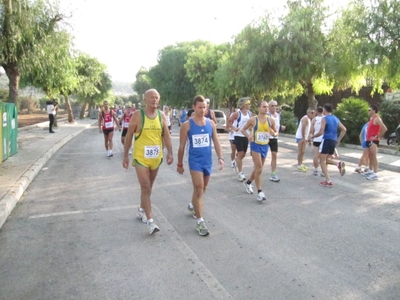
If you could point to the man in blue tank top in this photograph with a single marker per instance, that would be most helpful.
(200, 132)
(329, 130)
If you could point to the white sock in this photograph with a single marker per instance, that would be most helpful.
(200, 220)
(150, 221)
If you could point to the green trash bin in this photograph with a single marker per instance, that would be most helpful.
(4, 131)
(12, 115)
(1, 131)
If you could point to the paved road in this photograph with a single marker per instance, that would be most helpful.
(73, 235)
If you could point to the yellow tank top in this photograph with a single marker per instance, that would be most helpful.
(261, 132)
(148, 142)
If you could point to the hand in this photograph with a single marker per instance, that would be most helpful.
(170, 158)
(250, 138)
(220, 164)
(125, 162)
(180, 170)
(100, 130)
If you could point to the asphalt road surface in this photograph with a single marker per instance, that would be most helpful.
(74, 234)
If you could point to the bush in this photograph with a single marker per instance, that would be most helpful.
(353, 113)
(3, 95)
(390, 113)
(289, 120)
(28, 103)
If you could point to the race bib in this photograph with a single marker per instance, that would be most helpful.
(151, 151)
(201, 140)
(262, 137)
(126, 125)
(109, 124)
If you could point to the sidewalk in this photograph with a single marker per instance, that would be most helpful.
(388, 159)
(35, 147)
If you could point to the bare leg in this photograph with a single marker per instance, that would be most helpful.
(324, 167)
(258, 166)
(200, 183)
(274, 157)
(146, 179)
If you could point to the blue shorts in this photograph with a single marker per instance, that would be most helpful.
(200, 167)
(262, 149)
(327, 147)
(298, 140)
(364, 144)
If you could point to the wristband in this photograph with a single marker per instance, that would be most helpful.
(179, 165)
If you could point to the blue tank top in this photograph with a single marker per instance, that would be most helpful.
(200, 138)
(331, 127)
(364, 134)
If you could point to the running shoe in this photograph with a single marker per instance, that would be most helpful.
(191, 210)
(249, 188)
(302, 168)
(326, 184)
(130, 152)
(315, 173)
(202, 229)
(261, 197)
(274, 178)
(152, 227)
(342, 168)
(322, 174)
(141, 215)
(358, 170)
(241, 177)
(373, 176)
(367, 173)
(233, 163)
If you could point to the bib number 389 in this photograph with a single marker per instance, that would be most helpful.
(151, 151)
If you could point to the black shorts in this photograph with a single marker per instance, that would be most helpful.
(327, 147)
(124, 131)
(316, 144)
(241, 143)
(369, 143)
(273, 145)
(107, 131)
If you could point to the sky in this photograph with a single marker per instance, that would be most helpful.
(128, 34)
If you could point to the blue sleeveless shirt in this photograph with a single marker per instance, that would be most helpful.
(200, 138)
(331, 127)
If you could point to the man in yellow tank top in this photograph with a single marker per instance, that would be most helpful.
(149, 126)
(262, 128)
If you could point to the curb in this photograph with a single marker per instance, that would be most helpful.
(10, 199)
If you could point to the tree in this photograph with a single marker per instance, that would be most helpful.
(24, 26)
(302, 48)
(142, 83)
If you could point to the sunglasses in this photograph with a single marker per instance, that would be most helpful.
(273, 105)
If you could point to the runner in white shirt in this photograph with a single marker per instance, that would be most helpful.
(302, 134)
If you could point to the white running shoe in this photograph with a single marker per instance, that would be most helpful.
(241, 177)
(191, 210)
(249, 188)
(373, 176)
(274, 178)
(152, 227)
(315, 173)
(141, 215)
(368, 173)
(261, 196)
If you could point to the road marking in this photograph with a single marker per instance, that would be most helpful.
(76, 212)
(205, 274)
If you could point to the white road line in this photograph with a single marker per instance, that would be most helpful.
(201, 270)
(76, 212)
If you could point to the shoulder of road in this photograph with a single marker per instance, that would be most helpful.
(36, 146)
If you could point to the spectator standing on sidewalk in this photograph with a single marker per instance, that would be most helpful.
(51, 111)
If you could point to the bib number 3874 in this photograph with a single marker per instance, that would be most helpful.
(262, 137)
(201, 140)
(151, 151)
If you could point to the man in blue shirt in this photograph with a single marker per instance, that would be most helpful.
(183, 116)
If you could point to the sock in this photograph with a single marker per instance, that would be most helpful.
(150, 221)
(273, 173)
(200, 220)
(259, 191)
(248, 182)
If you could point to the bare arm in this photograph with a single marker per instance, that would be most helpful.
(312, 128)
(217, 146)
(99, 119)
(250, 124)
(382, 126)
(167, 140)
(272, 129)
(212, 113)
(182, 144)
(232, 119)
(304, 121)
(342, 132)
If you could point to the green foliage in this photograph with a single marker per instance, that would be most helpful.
(142, 83)
(289, 120)
(390, 113)
(3, 95)
(353, 113)
(28, 103)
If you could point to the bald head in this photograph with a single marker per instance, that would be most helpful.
(151, 91)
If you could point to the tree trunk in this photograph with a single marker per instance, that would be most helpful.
(69, 109)
(312, 102)
(12, 73)
(84, 106)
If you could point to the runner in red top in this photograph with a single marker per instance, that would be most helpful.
(126, 118)
(106, 125)
(376, 129)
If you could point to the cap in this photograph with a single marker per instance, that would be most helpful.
(207, 100)
(243, 101)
